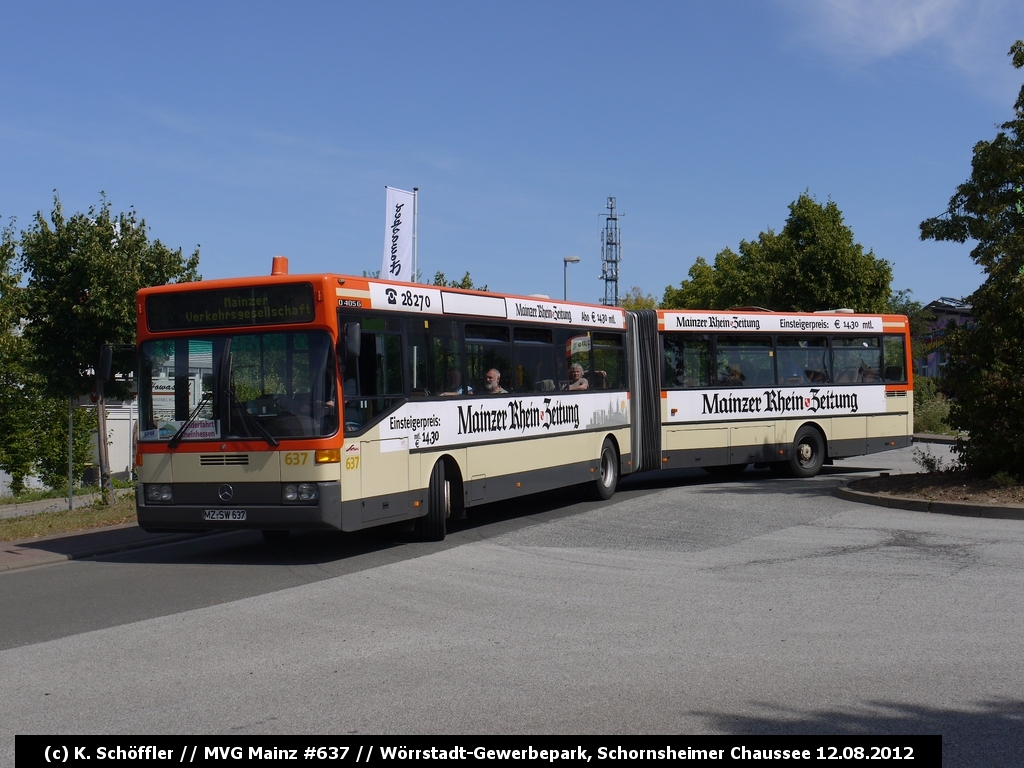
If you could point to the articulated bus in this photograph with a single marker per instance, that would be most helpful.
(341, 403)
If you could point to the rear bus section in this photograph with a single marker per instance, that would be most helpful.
(787, 391)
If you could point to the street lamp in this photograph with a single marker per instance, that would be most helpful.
(565, 274)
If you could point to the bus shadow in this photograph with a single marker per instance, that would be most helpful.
(969, 736)
(397, 542)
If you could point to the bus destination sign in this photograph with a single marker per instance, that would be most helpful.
(219, 308)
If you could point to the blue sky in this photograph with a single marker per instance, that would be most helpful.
(255, 129)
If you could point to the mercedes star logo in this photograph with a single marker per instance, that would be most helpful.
(225, 492)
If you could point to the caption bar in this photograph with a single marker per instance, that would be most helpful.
(907, 751)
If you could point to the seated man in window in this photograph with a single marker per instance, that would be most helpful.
(492, 383)
(454, 384)
(576, 379)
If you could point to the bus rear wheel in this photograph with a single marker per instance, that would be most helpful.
(808, 453)
(603, 486)
(433, 525)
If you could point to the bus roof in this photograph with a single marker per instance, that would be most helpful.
(362, 294)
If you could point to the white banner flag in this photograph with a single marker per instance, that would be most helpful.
(398, 226)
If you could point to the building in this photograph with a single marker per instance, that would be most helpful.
(945, 311)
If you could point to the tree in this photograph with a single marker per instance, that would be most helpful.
(985, 366)
(812, 264)
(635, 298)
(84, 272)
(16, 450)
(34, 427)
(466, 282)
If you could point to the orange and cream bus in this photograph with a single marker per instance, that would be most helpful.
(289, 402)
(340, 403)
(791, 391)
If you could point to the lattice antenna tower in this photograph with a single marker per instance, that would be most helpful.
(611, 255)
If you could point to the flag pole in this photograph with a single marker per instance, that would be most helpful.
(415, 223)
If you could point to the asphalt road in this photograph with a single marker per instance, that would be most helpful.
(684, 605)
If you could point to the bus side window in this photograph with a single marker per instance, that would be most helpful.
(609, 370)
(435, 358)
(535, 362)
(373, 382)
(686, 361)
(802, 360)
(894, 355)
(744, 361)
(573, 347)
(488, 346)
(856, 359)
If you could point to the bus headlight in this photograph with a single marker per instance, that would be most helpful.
(159, 493)
(299, 492)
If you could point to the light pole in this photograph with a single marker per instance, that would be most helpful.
(565, 274)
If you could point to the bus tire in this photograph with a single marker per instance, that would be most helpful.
(275, 536)
(602, 487)
(808, 452)
(433, 525)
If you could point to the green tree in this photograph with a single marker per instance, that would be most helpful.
(635, 298)
(17, 456)
(84, 272)
(52, 441)
(813, 263)
(985, 367)
(34, 427)
(466, 282)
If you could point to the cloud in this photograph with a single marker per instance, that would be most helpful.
(860, 31)
(970, 37)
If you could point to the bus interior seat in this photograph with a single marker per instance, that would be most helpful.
(848, 376)
(544, 385)
(894, 373)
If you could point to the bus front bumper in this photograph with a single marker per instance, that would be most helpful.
(324, 515)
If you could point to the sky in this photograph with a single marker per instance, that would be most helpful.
(253, 128)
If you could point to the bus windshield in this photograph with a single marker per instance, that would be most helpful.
(261, 386)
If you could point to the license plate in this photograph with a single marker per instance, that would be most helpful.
(224, 514)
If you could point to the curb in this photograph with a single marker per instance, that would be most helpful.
(992, 511)
(921, 437)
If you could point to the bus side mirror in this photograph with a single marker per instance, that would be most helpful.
(353, 334)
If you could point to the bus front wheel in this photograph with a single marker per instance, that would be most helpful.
(433, 525)
(603, 486)
(808, 453)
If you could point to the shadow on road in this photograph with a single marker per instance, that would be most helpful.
(992, 735)
(247, 547)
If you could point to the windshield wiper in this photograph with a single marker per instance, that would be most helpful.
(252, 419)
(177, 437)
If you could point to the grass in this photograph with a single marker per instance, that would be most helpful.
(67, 521)
(38, 494)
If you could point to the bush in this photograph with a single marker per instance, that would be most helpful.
(931, 409)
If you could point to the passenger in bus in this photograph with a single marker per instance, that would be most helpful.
(492, 383)
(731, 376)
(794, 377)
(454, 384)
(576, 379)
